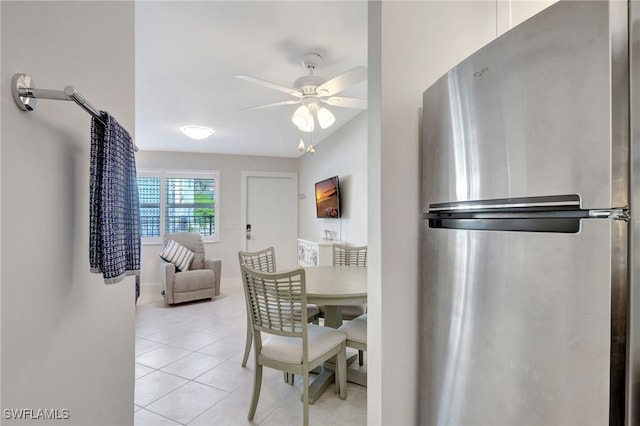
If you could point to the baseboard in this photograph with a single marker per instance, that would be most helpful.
(156, 288)
(150, 288)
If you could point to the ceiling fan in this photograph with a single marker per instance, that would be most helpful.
(312, 90)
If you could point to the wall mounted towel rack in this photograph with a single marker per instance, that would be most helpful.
(26, 95)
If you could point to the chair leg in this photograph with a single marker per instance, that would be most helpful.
(257, 384)
(305, 399)
(247, 343)
(341, 372)
(361, 358)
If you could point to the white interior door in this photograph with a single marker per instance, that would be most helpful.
(271, 210)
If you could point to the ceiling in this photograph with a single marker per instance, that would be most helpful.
(188, 53)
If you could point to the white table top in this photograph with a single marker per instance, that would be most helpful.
(336, 285)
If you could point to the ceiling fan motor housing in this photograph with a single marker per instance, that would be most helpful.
(308, 84)
(313, 89)
(311, 60)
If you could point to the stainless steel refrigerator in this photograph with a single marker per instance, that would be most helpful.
(530, 158)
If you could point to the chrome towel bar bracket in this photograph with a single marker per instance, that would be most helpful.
(26, 95)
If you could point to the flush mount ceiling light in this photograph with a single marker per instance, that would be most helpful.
(197, 132)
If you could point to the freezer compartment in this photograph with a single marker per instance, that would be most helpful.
(516, 327)
(531, 113)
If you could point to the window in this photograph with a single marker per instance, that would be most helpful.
(178, 202)
(149, 196)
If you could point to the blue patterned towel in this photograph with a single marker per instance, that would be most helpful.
(114, 233)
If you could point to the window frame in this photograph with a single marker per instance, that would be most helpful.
(163, 174)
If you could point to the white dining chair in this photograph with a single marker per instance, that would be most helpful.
(354, 256)
(350, 255)
(265, 261)
(356, 331)
(278, 310)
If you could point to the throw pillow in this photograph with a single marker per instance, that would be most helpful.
(178, 254)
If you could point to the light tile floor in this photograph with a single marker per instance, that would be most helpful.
(188, 370)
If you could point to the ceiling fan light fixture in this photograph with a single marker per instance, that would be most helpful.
(325, 118)
(303, 119)
(197, 132)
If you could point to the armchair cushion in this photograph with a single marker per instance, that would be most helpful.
(177, 254)
(197, 279)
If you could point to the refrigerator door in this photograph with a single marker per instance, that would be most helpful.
(633, 360)
(529, 327)
(533, 112)
(516, 326)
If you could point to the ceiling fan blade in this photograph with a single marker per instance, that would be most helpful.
(291, 102)
(275, 86)
(340, 101)
(343, 81)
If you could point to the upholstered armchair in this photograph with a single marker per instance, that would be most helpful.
(185, 273)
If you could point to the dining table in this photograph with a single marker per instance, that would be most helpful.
(331, 287)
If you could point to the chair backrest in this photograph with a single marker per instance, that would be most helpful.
(192, 241)
(277, 301)
(346, 255)
(263, 260)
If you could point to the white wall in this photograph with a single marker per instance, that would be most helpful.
(231, 230)
(417, 43)
(411, 45)
(375, 397)
(344, 153)
(506, 14)
(67, 338)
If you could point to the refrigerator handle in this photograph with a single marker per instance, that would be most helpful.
(615, 214)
